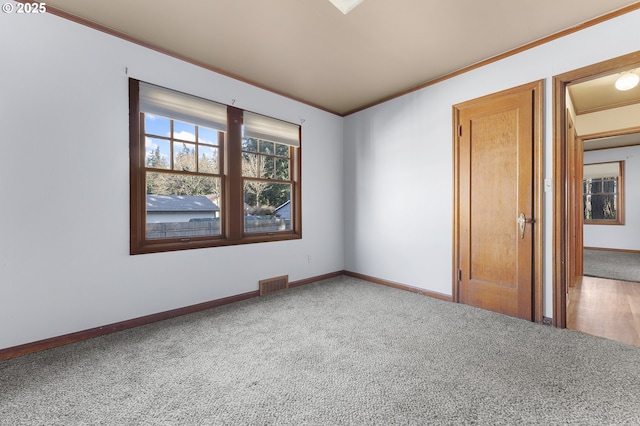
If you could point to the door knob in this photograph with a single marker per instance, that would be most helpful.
(522, 222)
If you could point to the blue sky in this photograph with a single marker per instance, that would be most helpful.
(160, 126)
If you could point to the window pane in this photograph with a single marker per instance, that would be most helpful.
(208, 159)
(600, 193)
(282, 169)
(184, 131)
(586, 203)
(282, 150)
(250, 145)
(267, 147)
(206, 135)
(184, 157)
(158, 153)
(156, 125)
(268, 206)
(609, 185)
(603, 207)
(182, 206)
(267, 167)
(251, 165)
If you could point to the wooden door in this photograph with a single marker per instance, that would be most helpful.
(495, 179)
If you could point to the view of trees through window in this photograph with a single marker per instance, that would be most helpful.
(182, 178)
(176, 146)
(183, 163)
(600, 198)
(204, 174)
(266, 171)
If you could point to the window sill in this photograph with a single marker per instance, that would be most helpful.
(183, 244)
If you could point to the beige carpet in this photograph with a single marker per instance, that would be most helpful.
(615, 265)
(338, 352)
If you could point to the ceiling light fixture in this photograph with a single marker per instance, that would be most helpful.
(345, 6)
(627, 81)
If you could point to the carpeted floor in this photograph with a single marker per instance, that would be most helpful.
(337, 352)
(615, 265)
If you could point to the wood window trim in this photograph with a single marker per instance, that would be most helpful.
(232, 196)
(619, 220)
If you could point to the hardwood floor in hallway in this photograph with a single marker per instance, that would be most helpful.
(605, 308)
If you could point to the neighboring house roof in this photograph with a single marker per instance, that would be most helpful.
(283, 205)
(283, 210)
(180, 203)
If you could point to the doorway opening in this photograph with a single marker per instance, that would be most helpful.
(576, 131)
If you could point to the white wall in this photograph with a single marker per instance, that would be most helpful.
(64, 117)
(625, 236)
(399, 154)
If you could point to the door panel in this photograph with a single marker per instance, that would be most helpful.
(496, 185)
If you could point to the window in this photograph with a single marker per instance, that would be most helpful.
(602, 193)
(205, 174)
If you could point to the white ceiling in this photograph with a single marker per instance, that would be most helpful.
(599, 94)
(310, 51)
(612, 142)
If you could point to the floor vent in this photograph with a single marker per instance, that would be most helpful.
(271, 285)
